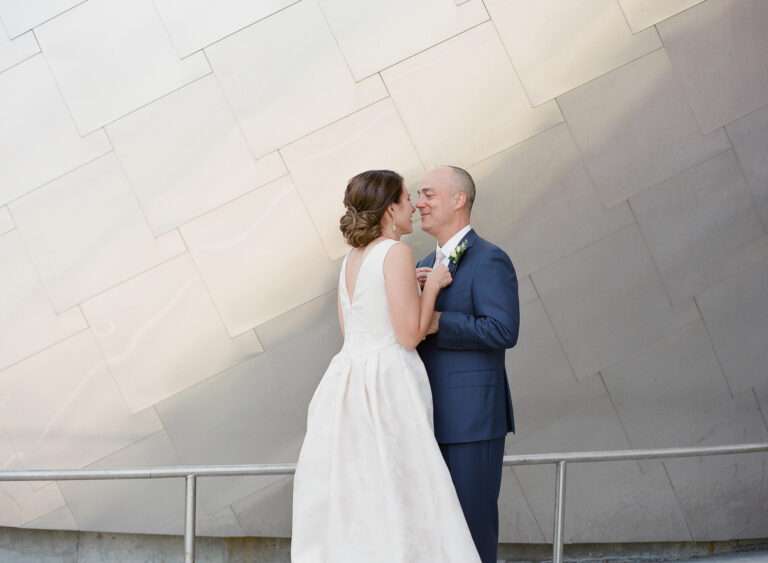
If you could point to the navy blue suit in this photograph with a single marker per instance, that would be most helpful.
(480, 317)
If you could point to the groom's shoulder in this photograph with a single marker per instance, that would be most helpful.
(491, 251)
(487, 246)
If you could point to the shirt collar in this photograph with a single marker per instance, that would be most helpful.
(453, 242)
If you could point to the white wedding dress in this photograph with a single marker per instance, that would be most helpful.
(371, 485)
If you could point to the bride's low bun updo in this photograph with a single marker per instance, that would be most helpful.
(366, 199)
(359, 228)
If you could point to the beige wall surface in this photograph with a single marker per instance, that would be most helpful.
(171, 176)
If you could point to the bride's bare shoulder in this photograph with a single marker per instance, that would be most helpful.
(399, 251)
(399, 258)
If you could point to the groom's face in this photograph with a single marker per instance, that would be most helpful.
(435, 200)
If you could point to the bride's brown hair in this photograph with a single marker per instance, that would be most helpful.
(367, 197)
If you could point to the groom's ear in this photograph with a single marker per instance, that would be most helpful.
(461, 200)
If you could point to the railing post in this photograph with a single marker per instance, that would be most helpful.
(189, 528)
(557, 543)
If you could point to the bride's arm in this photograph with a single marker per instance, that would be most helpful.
(410, 312)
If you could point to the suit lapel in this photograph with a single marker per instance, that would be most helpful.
(429, 259)
(469, 239)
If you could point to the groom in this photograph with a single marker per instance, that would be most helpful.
(476, 320)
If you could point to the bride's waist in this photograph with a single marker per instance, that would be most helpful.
(363, 344)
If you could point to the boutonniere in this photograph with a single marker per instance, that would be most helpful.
(457, 253)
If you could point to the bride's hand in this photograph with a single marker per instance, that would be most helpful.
(421, 275)
(438, 278)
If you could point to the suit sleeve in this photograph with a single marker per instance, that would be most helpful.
(496, 321)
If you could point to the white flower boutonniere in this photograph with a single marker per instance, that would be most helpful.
(457, 253)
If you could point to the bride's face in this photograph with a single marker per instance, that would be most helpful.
(403, 213)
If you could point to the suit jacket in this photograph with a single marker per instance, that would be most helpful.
(480, 318)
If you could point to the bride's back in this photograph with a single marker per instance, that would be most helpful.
(367, 324)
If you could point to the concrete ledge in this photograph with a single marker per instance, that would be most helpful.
(19, 545)
(682, 552)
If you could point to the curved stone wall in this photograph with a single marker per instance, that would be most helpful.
(170, 189)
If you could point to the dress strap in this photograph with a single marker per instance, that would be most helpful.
(343, 272)
(382, 248)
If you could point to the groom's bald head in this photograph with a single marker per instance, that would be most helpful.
(463, 182)
(456, 180)
(445, 200)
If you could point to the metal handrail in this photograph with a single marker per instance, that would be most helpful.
(191, 472)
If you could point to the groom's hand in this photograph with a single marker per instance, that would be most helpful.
(421, 275)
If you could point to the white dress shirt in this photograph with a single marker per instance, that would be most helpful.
(451, 244)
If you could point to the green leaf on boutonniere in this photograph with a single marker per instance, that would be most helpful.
(457, 253)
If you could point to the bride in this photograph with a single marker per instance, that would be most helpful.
(371, 485)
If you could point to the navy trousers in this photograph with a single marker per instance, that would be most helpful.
(476, 471)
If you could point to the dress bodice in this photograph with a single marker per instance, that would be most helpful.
(367, 324)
